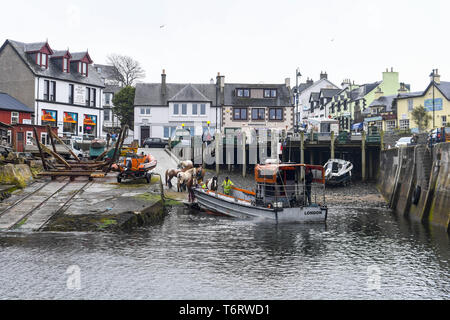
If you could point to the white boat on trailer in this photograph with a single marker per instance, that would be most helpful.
(278, 196)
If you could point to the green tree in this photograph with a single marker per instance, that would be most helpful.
(421, 117)
(123, 102)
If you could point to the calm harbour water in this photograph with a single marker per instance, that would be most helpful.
(194, 255)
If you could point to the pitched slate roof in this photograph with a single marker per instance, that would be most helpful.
(189, 93)
(329, 93)
(53, 70)
(149, 94)
(314, 96)
(384, 101)
(106, 71)
(11, 104)
(283, 98)
(112, 88)
(444, 87)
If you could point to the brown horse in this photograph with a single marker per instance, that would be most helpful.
(185, 165)
(170, 173)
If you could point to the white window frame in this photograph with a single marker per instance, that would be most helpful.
(404, 124)
(14, 115)
(444, 121)
(390, 125)
(29, 135)
(44, 138)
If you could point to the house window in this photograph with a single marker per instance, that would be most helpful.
(88, 96)
(147, 110)
(175, 108)
(29, 138)
(410, 104)
(258, 114)
(169, 131)
(240, 113)
(44, 138)
(266, 93)
(273, 93)
(404, 124)
(93, 97)
(46, 89)
(52, 91)
(444, 121)
(142, 110)
(203, 108)
(42, 59)
(71, 92)
(184, 108)
(108, 98)
(65, 65)
(390, 125)
(276, 114)
(107, 115)
(82, 68)
(14, 117)
(194, 108)
(243, 93)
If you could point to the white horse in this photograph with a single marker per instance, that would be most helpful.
(184, 178)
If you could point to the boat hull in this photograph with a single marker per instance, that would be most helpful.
(209, 200)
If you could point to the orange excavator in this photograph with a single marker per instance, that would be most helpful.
(135, 167)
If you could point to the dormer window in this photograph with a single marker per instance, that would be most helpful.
(42, 59)
(243, 93)
(82, 68)
(65, 65)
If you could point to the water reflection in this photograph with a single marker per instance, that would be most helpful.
(194, 255)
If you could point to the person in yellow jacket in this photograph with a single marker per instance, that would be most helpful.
(226, 184)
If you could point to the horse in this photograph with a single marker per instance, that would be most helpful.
(188, 180)
(183, 178)
(186, 165)
(170, 173)
(200, 174)
(211, 184)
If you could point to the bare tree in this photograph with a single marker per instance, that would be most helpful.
(127, 70)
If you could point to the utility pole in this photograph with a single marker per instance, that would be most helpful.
(297, 116)
(433, 74)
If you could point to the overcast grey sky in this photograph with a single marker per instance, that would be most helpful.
(247, 41)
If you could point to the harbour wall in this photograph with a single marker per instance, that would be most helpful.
(415, 182)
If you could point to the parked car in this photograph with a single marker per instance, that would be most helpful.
(405, 141)
(155, 143)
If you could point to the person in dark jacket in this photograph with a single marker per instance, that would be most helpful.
(308, 181)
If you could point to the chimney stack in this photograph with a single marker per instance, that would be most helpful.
(402, 88)
(287, 81)
(163, 83)
(323, 75)
(379, 93)
(435, 75)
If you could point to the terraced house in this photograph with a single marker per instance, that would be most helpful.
(348, 106)
(61, 87)
(435, 96)
(159, 108)
(257, 106)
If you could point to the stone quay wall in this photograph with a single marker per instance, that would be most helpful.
(415, 182)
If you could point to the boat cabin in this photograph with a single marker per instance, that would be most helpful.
(284, 183)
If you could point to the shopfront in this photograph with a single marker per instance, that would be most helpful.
(70, 126)
(90, 125)
(49, 117)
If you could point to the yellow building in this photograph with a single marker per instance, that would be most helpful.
(437, 90)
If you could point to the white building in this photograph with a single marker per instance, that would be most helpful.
(309, 94)
(62, 88)
(159, 108)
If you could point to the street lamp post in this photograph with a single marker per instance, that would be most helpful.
(297, 75)
(433, 73)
